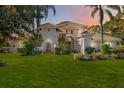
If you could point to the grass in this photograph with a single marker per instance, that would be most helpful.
(59, 71)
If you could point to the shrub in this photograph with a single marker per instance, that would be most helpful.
(118, 56)
(77, 56)
(4, 49)
(100, 56)
(113, 55)
(106, 49)
(4, 46)
(58, 50)
(66, 49)
(31, 45)
(119, 49)
(63, 49)
(89, 50)
(121, 55)
(86, 57)
(64, 44)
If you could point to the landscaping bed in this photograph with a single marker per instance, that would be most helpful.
(106, 53)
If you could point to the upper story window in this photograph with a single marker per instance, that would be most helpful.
(71, 32)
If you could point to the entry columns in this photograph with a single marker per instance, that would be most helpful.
(85, 42)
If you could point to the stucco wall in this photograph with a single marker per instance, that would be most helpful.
(97, 44)
(85, 42)
(49, 35)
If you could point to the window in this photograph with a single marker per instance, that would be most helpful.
(71, 32)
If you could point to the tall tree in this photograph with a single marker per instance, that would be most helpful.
(101, 10)
(116, 25)
(41, 12)
(16, 17)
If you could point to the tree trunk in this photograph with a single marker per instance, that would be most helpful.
(101, 30)
(33, 24)
(38, 18)
(37, 25)
(101, 24)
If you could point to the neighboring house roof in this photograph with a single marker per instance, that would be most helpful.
(107, 37)
(20, 36)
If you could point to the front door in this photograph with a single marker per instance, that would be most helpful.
(48, 47)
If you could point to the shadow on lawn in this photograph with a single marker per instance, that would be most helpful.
(2, 64)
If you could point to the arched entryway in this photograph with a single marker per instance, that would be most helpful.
(48, 47)
(70, 41)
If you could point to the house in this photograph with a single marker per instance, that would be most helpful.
(16, 41)
(76, 35)
(51, 32)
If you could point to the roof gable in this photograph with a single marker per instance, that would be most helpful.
(48, 25)
(70, 24)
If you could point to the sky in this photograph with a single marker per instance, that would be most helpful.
(76, 13)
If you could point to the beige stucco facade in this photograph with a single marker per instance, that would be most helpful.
(75, 33)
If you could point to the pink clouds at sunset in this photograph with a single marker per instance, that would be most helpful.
(90, 21)
(84, 14)
(76, 13)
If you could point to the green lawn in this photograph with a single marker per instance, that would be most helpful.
(59, 71)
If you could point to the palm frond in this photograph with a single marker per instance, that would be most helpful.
(109, 13)
(115, 7)
(53, 9)
(91, 6)
(95, 10)
(46, 9)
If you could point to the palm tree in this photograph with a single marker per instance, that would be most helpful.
(41, 11)
(101, 10)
